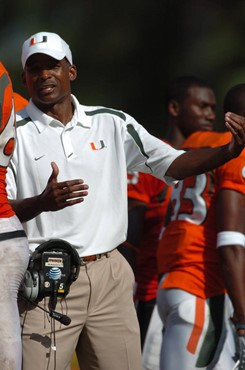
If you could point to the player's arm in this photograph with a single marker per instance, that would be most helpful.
(56, 196)
(195, 162)
(136, 217)
(231, 248)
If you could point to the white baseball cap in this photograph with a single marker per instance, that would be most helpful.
(46, 43)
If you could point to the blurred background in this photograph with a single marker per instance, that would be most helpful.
(126, 52)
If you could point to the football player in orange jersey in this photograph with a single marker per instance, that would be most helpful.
(190, 106)
(14, 253)
(232, 255)
(208, 211)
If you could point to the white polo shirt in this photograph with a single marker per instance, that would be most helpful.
(99, 145)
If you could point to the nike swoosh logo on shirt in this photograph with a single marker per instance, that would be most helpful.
(41, 156)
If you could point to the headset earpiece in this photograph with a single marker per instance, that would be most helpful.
(30, 285)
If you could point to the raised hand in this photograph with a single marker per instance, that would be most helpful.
(58, 195)
(236, 125)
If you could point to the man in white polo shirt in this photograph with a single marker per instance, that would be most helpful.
(59, 143)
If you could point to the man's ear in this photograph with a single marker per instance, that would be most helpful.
(23, 77)
(173, 108)
(72, 72)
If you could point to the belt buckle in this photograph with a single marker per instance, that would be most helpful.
(82, 262)
(90, 259)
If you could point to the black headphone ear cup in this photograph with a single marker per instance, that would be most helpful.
(36, 285)
(75, 261)
(41, 292)
(75, 267)
(30, 285)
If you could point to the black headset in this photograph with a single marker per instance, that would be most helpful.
(33, 284)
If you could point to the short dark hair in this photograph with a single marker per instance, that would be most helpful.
(234, 100)
(177, 88)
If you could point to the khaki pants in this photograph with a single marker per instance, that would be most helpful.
(104, 330)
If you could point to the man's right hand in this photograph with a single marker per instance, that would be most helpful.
(58, 195)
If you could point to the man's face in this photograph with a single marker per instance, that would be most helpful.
(197, 111)
(47, 79)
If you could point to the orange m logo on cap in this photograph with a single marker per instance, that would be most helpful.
(33, 42)
(102, 145)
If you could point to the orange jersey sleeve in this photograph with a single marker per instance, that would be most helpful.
(145, 188)
(156, 195)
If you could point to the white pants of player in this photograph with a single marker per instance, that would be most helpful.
(153, 343)
(14, 256)
(183, 339)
